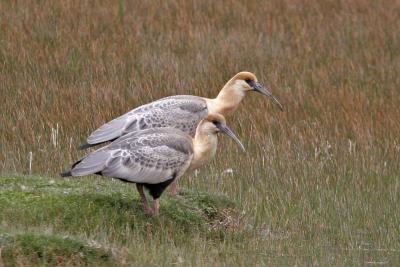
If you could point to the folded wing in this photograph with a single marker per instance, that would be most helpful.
(148, 156)
(182, 112)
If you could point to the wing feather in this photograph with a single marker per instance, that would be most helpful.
(147, 156)
(181, 112)
(91, 164)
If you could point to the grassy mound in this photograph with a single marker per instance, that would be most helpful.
(38, 249)
(36, 211)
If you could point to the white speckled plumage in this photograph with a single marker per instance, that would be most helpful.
(182, 112)
(147, 156)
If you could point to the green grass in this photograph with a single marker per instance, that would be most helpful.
(39, 249)
(97, 221)
(37, 212)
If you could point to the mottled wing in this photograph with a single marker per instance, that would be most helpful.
(147, 156)
(181, 112)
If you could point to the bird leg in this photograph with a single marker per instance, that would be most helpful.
(144, 199)
(156, 206)
(173, 191)
(156, 203)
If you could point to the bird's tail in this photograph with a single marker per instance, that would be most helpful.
(66, 173)
(85, 146)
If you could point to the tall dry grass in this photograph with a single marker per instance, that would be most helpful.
(328, 164)
(75, 64)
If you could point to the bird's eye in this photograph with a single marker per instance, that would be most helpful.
(216, 123)
(249, 82)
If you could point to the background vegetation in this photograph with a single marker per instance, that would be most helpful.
(320, 181)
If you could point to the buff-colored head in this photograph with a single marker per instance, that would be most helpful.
(244, 82)
(215, 123)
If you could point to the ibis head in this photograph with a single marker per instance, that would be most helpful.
(247, 81)
(215, 123)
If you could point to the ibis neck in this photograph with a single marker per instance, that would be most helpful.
(204, 148)
(227, 100)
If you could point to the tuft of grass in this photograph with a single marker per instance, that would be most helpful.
(29, 249)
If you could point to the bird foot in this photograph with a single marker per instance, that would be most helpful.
(150, 211)
(173, 191)
(173, 194)
(153, 211)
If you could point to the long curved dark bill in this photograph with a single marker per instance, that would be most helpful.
(264, 91)
(223, 128)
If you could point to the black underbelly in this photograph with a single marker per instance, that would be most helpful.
(155, 190)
